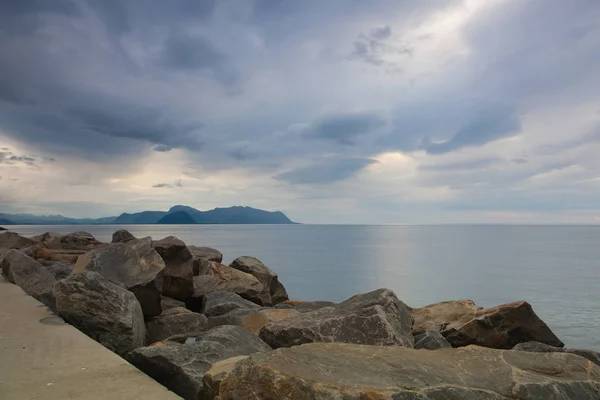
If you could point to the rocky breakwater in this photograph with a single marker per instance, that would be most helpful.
(207, 330)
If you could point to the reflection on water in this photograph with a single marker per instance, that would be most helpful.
(556, 268)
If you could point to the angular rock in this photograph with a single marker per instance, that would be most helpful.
(168, 302)
(219, 277)
(174, 321)
(30, 276)
(135, 264)
(538, 347)
(58, 269)
(304, 306)
(59, 255)
(181, 367)
(104, 311)
(431, 340)
(122, 236)
(216, 374)
(500, 327)
(221, 302)
(376, 318)
(206, 253)
(12, 240)
(77, 241)
(236, 317)
(178, 280)
(355, 372)
(273, 291)
(251, 319)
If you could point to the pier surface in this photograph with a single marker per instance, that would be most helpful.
(52, 360)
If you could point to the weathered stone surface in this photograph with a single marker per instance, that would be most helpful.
(12, 240)
(168, 302)
(304, 306)
(273, 291)
(251, 319)
(122, 236)
(174, 321)
(235, 317)
(221, 302)
(205, 253)
(58, 269)
(356, 372)
(219, 277)
(376, 318)
(178, 280)
(538, 347)
(104, 311)
(59, 255)
(77, 241)
(48, 238)
(431, 340)
(216, 374)
(135, 264)
(181, 367)
(462, 323)
(30, 276)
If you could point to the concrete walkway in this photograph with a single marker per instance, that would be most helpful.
(50, 361)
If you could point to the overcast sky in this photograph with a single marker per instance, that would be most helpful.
(338, 111)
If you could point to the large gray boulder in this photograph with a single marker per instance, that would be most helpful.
(304, 306)
(122, 236)
(218, 277)
(356, 372)
(252, 319)
(204, 253)
(30, 276)
(463, 323)
(431, 340)
(135, 264)
(221, 302)
(58, 269)
(101, 309)
(174, 321)
(376, 318)
(181, 367)
(12, 240)
(178, 280)
(538, 347)
(168, 302)
(273, 291)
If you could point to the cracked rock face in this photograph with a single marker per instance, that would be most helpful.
(376, 318)
(273, 291)
(357, 372)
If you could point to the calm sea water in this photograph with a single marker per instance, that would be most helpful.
(555, 268)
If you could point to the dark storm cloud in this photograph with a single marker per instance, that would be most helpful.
(7, 157)
(325, 171)
(162, 148)
(162, 185)
(345, 129)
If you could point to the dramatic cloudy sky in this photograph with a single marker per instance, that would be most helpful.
(338, 111)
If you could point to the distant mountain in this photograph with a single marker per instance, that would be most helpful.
(4, 221)
(177, 218)
(229, 215)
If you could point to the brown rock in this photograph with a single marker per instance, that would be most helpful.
(178, 280)
(217, 373)
(174, 321)
(273, 291)
(168, 302)
(12, 240)
(358, 372)
(219, 277)
(205, 253)
(304, 306)
(122, 236)
(59, 255)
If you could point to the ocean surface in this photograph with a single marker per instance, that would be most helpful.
(555, 268)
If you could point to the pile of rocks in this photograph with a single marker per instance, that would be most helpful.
(207, 330)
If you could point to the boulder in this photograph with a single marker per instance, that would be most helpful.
(462, 323)
(48, 239)
(174, 321)
(77, 241)
(206, 253)
(29, 275)
(122, 236)
(273, 291)
(357, 372)
(219, 277)
(178, 280)
(219, 303)
(181, 367)
(104, 311)
(12, 240)
(216, 374)
(376, 318)
(58, 269)
(135, 264)
(168, 302)
(431, 340)
(235, 317)
(538, 347)
(251, 319)
(59, 255)
(304, 306)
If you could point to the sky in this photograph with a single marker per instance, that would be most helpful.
(338, 111)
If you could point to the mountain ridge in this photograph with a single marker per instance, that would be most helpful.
(219, 215)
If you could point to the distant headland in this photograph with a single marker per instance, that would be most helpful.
(175, 215)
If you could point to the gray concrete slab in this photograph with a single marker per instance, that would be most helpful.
(46, 361)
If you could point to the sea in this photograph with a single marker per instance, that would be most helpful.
(555, 268)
